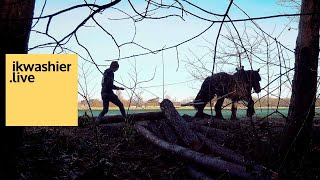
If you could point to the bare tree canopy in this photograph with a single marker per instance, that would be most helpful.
(167, 49)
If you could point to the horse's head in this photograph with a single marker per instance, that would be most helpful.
(254, 79)
(251, 77)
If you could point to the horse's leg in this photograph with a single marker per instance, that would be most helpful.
(218, 108)
(250, 110)
(234, 110)
(200, 108)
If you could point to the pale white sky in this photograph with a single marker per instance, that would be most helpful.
(157, 34)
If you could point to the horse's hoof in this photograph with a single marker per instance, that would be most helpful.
(199, 115)
(250, 113)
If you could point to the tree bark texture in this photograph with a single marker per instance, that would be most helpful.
(179, 124)
(15, 25)
(298, 131)
(133, 117)
(203, 160)
(217, 134)
(168, 133)
(197, 174)
(222, 151)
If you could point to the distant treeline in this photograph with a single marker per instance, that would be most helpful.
(262, 102)
(138, 103)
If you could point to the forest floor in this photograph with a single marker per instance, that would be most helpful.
(119, 152)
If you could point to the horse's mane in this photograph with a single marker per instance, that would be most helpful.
(241, 75)
(247, 75)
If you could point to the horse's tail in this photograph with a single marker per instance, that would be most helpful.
(203, 96)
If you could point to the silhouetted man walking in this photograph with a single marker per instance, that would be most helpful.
(107, 94)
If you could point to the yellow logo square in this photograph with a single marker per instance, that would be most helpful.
(41, 90)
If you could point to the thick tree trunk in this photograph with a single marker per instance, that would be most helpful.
(302, 106)
(15, 24)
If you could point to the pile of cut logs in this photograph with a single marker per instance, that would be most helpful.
(197, 142)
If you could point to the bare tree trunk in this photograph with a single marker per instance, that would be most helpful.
(15, 24)
(302, 106)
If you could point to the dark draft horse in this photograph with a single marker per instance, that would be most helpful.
(235, 87)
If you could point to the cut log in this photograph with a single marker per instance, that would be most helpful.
(223, 152)
(168, 133)
(118, 126)
(227, 124)
(179, 124)
(243, 123)
(214, 164)
(205, 122)
(197, 174)
(133, 117)
(217, 134)
(113, 126)
(154, 127)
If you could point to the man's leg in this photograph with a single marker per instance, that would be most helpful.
(104, 110)
(115, 100)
